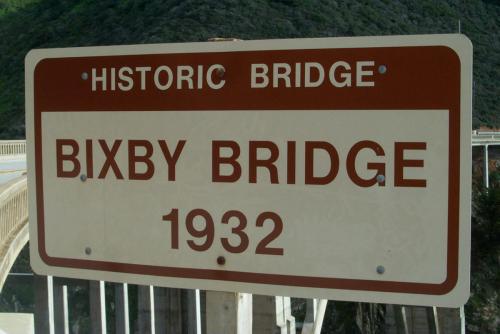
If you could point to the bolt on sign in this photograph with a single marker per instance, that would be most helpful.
(336, 167)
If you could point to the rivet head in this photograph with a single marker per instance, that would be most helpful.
(380, 270)
(380, 178)
(83, 177)
(88, 250)
(221, 260)
(382, 69)
(85, 76)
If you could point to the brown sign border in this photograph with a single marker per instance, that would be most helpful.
(423, 77)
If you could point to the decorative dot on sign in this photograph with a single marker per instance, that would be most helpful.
(382, 69)
(221, 260)
(380, 270)
(85, 76)
(83, 177)
(380, 178)
(88, 250)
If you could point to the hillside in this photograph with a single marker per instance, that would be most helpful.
(28, 24)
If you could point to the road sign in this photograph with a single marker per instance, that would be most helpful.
(337, 167)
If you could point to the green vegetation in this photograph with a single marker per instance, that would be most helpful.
(28, 24)
(483, 307)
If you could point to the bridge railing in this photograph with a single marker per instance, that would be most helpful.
(13, 217)
(12, 147)
(13, 208)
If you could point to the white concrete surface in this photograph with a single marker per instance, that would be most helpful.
(16, 323)
(10, 169)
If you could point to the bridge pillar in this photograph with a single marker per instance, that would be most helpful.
(433, 320)
(160, 310)
(229, 313)
(172, 302)
(264, 314)
(145, 305)
(122, 324)
(97, 307)
(401, 319)
(167, 310)
(44, 310)
(191, 316)
(60, 306)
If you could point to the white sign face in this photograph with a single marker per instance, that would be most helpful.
(335, 168)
